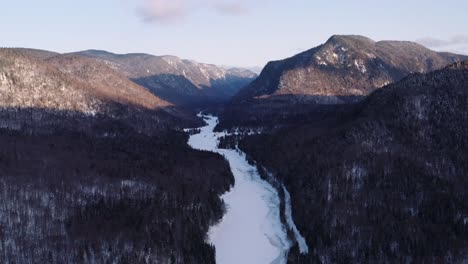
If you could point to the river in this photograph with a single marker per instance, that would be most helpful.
(251, 231)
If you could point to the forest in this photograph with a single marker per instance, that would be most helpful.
(90, 189)
(385, 184)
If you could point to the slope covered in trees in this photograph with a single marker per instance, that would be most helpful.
(68, 197)
(387, 183)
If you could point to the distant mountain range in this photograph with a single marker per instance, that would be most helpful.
(117, 86)
(176, 80)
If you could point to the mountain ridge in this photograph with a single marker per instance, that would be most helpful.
(180, 81)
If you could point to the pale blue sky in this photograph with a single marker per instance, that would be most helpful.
(229, 32)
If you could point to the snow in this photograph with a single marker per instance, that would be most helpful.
(356, 172)
(419, 108)
(371, 56)
(384, 84)
(303, 248)
(320, 61)
(251, 231)
(360, 66)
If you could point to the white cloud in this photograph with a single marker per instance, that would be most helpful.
(163, 10)
(458, 43)
(233, 8)
(169, 11)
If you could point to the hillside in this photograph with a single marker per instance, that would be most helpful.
(36, 91)
(104, 82)
(27, 81)
(387, 181)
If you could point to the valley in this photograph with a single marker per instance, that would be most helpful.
(354, 151)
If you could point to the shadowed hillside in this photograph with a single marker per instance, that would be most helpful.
(387, 183)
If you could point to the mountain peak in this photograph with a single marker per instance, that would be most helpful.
(349, 40)
(171, 59)
(96, 52)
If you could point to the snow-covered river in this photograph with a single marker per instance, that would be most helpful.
(251, 231)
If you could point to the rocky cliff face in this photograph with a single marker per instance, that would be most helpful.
(344, 66)
(177, 80)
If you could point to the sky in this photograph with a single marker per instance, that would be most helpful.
(243, 33)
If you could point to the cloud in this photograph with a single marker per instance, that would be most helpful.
(163, 11)
(169, 11)
(458, 43)
(232, 8)
(436, 43)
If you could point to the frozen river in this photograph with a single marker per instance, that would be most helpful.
(251, 231)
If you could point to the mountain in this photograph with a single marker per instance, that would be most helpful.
(66, 82)
(345, 66)
(345, 69)
(37, 90)
(176, 80)
(383, 180)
